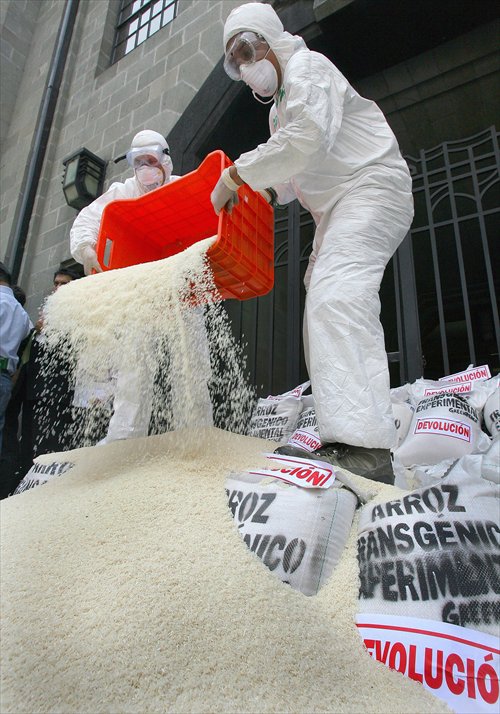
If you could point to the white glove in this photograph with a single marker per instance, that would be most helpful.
(89, 260)
(225, 193)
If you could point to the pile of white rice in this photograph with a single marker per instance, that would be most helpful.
(127, 588)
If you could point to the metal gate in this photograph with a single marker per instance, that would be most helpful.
(455, 238)
(439, 295)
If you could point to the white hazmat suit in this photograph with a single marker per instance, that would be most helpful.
(133, 391)
(85, 228)
(334, 151)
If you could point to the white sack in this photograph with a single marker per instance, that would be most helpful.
(434, 552)
(306, 435)
(298, 533)
(476, 392)
(491, 412)
(444, 426)
(275, 417)
(40, 473)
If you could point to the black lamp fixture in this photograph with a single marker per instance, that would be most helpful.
(83, 178)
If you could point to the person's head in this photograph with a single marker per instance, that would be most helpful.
(63, 276)
(257, 48)
(149, 156)
(5, 277)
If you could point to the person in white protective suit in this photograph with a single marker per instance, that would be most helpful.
(133, 391)
(334, 151)
(149, 156)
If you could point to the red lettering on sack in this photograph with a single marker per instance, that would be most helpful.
(457, 675)
(305, 439)
(381, 655)
(412, 660)
(398, 651)
(317, 478)
(456, 388)
(470, 375)
(308, 474)
(487, 674)
(471, 679)
(456, 686)
(455, 429)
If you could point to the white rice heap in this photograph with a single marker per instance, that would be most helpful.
(150, 318)
(126, 587)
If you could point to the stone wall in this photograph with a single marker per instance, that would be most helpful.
(445, 94)
(100, 106)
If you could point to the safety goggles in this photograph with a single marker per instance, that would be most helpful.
(146, 156)
(245, 48)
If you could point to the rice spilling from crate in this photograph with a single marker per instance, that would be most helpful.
(159, 330)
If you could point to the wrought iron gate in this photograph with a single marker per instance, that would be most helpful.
(455, 237)
(439, 294)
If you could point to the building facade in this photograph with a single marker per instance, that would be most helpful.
(91, 73)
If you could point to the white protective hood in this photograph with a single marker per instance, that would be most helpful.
(256, 17)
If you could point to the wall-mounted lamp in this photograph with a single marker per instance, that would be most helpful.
(83, 178)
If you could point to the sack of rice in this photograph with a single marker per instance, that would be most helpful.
(472, 384)
(299, 532)
(40, 473)
(444, 426)
(275, 417)
(430, 578)
(434, 552)
(491, 411)
(306, 434)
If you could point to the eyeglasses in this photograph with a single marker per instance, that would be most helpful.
(246, 48)
(146, 156)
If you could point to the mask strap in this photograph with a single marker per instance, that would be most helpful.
(261, 101)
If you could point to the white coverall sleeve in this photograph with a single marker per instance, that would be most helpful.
(285, 192)
(314, 94)
(85, 228)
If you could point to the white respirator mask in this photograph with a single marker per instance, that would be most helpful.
(150, 177)
(262, 79)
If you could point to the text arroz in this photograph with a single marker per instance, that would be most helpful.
(306, 473)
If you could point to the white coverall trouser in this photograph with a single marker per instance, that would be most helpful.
(343, 338)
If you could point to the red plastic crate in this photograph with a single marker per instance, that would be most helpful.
(174, 217)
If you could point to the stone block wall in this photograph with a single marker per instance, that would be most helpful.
(445, 94)
(100, 106)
